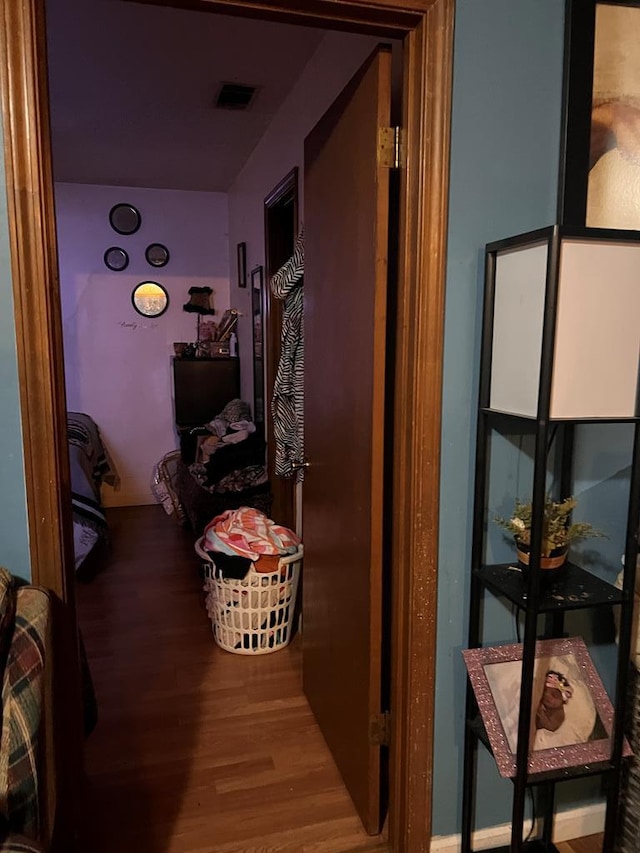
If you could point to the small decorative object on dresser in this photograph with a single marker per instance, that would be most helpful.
(227, 324)
(199, 303)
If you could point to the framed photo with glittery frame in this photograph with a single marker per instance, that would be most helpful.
(571, 715)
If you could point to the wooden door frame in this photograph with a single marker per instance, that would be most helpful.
(427, 29)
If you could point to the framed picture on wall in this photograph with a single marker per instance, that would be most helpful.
(241, 251)
(600, 163)
(571, 714)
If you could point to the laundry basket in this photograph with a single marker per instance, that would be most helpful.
(252, 616)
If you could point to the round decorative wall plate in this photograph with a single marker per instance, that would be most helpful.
(157, 255)
(116, 258)
(125, 218)
(150, 299)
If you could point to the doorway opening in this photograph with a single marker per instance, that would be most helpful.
(427, 29)
(94, 321)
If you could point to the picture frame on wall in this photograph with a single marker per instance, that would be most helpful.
(241, 251)
(600, 158)
(571, 715)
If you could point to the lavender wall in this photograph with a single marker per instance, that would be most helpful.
(118, 363)
(337, 58)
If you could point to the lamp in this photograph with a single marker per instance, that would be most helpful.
(199, 303)
(563, 336)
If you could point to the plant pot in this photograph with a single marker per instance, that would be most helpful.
(549, 564)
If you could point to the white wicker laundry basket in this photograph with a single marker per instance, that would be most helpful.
(253, 616)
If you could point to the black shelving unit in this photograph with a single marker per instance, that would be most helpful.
(547, 423)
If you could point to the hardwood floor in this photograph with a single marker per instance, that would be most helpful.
(196, 750)
(588, 844)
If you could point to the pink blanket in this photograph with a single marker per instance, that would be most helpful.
(247, 532)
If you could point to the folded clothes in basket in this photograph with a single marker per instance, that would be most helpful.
(235, 568)
(247, 532)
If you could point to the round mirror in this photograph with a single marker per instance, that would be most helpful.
(116, 258)
(150, 299)
(157, 255)
(124, 218)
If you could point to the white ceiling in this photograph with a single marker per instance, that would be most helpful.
(132, 89)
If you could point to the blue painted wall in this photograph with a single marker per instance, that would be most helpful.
(504, 164)
(14, 536)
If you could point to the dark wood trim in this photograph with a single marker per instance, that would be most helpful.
(428, 27)
(283, 490)
(418, 415)
(289, 184)
(36, 292)
(38, 320)
(389, 18)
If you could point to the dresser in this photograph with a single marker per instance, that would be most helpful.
(202, 387)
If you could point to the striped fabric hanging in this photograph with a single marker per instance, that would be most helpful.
(287, 404)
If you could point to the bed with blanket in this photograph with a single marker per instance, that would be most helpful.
(90, 467)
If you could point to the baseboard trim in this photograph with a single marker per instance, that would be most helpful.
(570, 824)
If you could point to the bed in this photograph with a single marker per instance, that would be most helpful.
(90, 466)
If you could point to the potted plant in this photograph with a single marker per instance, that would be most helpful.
(558, 531)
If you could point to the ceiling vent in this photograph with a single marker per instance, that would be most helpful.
(234, 96)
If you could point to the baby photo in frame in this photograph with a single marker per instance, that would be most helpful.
(572, 716)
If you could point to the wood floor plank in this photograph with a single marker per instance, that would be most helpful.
(587, 844)
(196, 750)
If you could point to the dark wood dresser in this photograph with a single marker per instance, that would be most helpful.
(202, 387)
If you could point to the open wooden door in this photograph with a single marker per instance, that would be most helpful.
(346, 209)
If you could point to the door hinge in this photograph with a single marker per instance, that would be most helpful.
(380, 729)
(390, 147)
